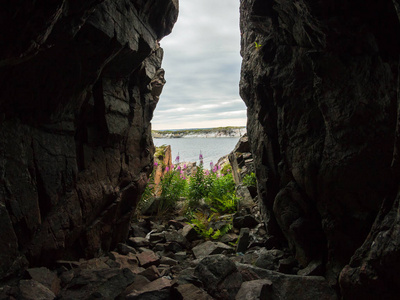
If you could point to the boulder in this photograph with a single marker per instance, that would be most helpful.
(247, 221)
(191, 292)
(219, 276)
(138, 242)
(190, 233)
(158, 289)
(147, 259)
(244, 240)
(33, 290)
(210, 248)
(174, 236)
(254, 290)
(46, 277)
(269, 259)
(97, 283)
(286, 286)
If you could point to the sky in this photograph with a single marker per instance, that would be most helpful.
(202, 68)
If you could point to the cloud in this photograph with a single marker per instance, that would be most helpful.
(202, 64)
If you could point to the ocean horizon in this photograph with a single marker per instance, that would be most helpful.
(189, 149)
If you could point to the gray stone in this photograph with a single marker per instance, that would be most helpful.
(97, 283)
(138, 242)
(314, 268)
(269, 259)
(254, 290)
(158, 289)
(168, 261)
(219, 276)
(286, 286)
(191, 292)
(46, 277)
(244, 240)
(246, 221)
(157, 237)
(125, 249)
(33, 290)
(174, 236)
(189, 233)
(151, 273)
(210, 248)
(148, 258)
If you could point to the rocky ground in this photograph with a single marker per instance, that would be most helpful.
(166, 259)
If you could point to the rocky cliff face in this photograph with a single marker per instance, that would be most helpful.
(320, 80)
(79, 83)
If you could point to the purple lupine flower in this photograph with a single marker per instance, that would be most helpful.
(167, 169)
(181, 172)
(184, 166)
(155, 164)
(178, 168)
(211, 164)
(207, 172)
(215, 169)
(200, 156)
(177, 158)
(219, 167)
(222, 175)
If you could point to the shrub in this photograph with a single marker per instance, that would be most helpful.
(173, 187)
(221, 196)
(250, 179)
(203, 225)
(199, 186)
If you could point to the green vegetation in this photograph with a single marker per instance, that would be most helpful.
(208, 195)
(173, 187)
(203, 225)
(250, 179)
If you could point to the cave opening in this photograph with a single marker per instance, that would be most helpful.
(202, 62)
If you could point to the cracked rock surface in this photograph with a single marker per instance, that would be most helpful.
(79, 81)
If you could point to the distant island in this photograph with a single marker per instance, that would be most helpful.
(216, 132)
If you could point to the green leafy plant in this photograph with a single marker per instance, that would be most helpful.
(250, 179)
(257, 45)
(173, 187)
(221, 197)
(202, 223)
(199, 186)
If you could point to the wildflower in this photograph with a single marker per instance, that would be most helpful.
(228, 170)
(181, 172)
(207, 172)
(178, 168)
(200, 156)
(218, 175)
(166, 169)
(155, 164)
(184, 166)
(177, 158)
(222, 175)
(215, 169)
(219, 167)
(211, 164)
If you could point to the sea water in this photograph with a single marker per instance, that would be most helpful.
(189, 149)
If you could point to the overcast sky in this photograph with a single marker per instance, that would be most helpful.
(202, 68)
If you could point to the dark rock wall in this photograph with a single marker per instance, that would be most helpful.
(79, 81)
(321, 93)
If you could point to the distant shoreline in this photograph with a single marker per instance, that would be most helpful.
(217, 132)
